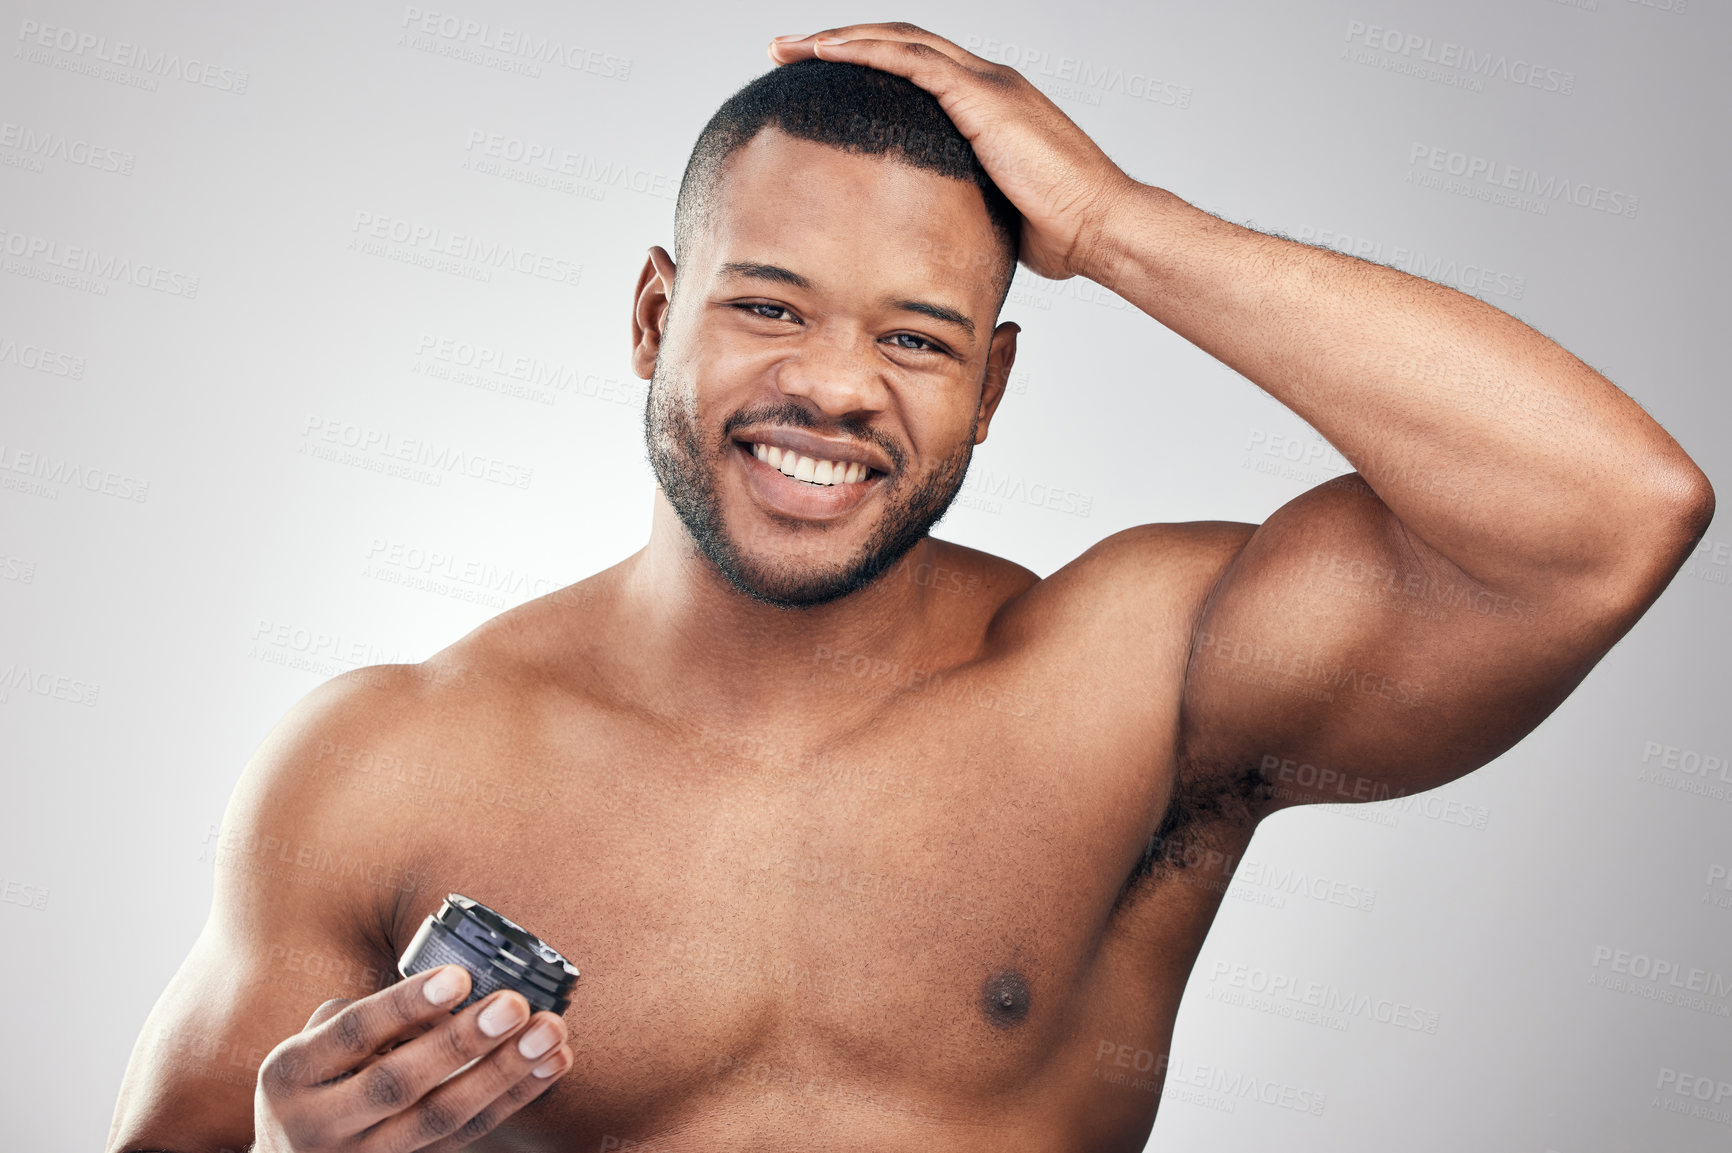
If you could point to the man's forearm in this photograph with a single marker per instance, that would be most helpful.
(1491, 443)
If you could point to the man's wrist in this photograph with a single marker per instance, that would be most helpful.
(1124, 244)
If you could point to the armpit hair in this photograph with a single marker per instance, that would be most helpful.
(1207, 798)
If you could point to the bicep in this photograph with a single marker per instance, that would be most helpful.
(1347, 661)
(189, 1083)
(293, 923)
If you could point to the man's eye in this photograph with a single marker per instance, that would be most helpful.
(913, 343)
(767, 311)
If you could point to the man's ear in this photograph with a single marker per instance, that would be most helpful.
(999, 359)
(649, 311)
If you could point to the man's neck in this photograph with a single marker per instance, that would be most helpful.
(706, 641)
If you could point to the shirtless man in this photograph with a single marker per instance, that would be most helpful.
(862, 839)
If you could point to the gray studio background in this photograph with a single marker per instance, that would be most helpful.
(245, 262)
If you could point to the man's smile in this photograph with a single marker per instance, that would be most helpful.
(805, 468)
(825, 481)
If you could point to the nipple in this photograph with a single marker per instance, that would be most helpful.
(1004, 998)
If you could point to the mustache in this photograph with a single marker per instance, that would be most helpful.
(799, 416)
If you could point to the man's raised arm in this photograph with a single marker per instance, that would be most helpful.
(1512, 515)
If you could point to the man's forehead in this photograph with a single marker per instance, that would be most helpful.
(812, 208)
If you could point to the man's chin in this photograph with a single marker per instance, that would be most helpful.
(791, 586)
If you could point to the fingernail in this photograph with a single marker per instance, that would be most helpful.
(503, 1015)
(444, 985)
(539, 1039)
(832, 41)
(785, 39)
(550, 1066)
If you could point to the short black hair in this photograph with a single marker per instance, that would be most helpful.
(855, 109)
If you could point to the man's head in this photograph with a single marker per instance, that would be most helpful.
(841, 261)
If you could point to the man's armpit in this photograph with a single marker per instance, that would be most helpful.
(1211, 807)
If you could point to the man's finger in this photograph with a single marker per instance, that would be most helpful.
(476, 1100)
(356, 1030)
(893, 31)
(325, 1012)
(926, 66)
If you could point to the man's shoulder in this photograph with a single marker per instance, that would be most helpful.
(386, 730)
(1150, 571)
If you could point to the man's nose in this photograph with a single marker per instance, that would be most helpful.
(840, 376)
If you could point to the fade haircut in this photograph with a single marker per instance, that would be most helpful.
(855, 109)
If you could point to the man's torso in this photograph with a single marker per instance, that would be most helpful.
(913, 907)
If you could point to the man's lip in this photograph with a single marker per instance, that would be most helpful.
(784, 496)
(816, 447)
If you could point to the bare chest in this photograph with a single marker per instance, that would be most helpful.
(907, 919)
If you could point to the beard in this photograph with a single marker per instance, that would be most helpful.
(687, 470)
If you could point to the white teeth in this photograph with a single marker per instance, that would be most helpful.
(811, 469)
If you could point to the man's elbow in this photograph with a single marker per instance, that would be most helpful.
(1698, 502)
(1678, 506)
(1683, 504)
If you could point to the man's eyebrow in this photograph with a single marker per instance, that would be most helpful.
(936, 312)
(757, 271)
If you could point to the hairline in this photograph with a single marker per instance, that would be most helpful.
(715, 170)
